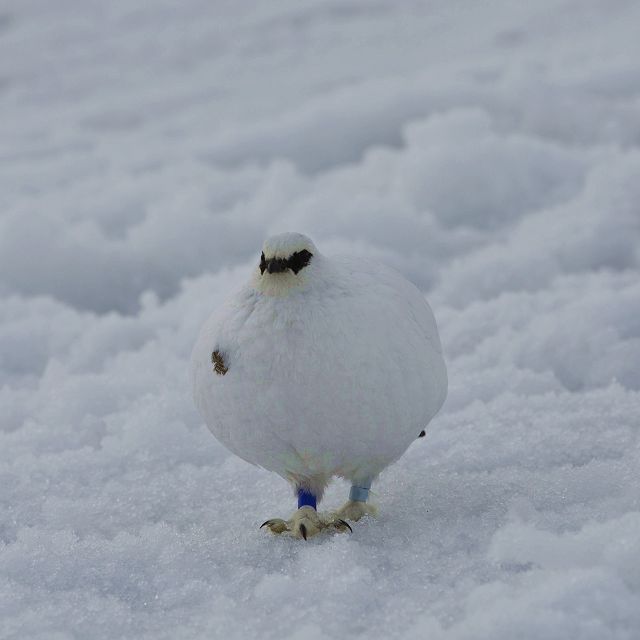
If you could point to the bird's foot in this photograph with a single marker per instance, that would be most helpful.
(305, 523)
(355, 509)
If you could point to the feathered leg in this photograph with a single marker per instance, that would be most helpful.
(357, 506)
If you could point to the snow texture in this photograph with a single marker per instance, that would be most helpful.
(490, 151)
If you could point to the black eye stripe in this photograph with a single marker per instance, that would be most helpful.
(295, 261)
(299, 260)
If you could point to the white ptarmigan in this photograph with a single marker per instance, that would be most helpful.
(319, 367)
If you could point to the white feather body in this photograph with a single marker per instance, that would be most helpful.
(335, 375)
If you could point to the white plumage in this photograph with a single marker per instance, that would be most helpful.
(332, 368)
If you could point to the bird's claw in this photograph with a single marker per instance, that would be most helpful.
(276, 525)
(339, 525)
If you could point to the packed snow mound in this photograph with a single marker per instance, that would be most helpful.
(489, 152)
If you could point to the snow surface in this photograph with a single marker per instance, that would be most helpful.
(488, 150)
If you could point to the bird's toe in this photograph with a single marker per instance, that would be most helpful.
(341, 525)
(305, 523)
(276, 525)
(333, 522)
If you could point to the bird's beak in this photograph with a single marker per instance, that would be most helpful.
(276, 266)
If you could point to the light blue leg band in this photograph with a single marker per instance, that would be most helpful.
(359, 494)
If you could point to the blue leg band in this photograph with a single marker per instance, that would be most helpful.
(359, 494)
(306, 499)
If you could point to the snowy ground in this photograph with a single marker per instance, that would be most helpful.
(488, 150)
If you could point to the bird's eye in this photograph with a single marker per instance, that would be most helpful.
(263, 263)
(299, 260)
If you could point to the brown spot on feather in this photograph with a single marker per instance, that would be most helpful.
(218, 363)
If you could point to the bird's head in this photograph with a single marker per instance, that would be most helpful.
(284, 263)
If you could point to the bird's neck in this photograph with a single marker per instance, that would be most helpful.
(278, 284)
